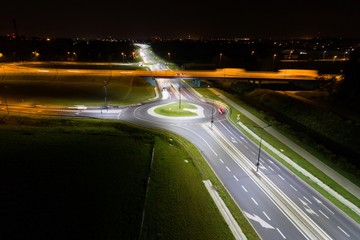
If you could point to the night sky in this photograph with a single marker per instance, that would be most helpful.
(276, 19)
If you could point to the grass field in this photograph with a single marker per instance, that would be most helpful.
(173, 110)
(70, 90)
(64, 178)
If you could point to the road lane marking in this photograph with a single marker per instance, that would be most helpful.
(293, 188)
(281, 233)
(253, 153)
(307, 200)
(254, 201)
(228, 168)
(323, 214)
(244, 188)
(307, 208)
(235, 178)
(270, 161)
(319, 202)
(271, 168)
(266, 216)
(343, 231)
(256, 218)
(246, 147)
(262, 167)
(281, 177)
(221, 160)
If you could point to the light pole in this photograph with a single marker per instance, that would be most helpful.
(212, 114)
(179, 96)
(169, 55)
(290, 54)
(274, 56)
(123, 57)
(258, 159)
(220, 56)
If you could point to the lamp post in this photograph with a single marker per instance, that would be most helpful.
(212, 114)
(179, 96)
(169, 55)
(290, 54)
(274, 56)
(258, 159)
(220, 56)
(123, 57)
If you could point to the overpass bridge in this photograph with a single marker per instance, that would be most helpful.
(256, 77)
(238, 74)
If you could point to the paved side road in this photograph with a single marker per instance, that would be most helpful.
(348, 185)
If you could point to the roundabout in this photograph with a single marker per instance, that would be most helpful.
(173, 111)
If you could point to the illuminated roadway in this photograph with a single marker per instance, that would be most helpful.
(277, 203)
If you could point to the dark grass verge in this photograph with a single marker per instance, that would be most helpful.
(71, 180)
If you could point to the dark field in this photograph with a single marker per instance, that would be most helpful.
(64, 183)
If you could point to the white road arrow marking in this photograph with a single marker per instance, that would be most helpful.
(307, 208)
(256, 218)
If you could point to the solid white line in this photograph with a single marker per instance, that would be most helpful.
(281, 177)
(244, 188)
(254, 201)
(228, 168)
(343, 231)
(271, 168)
(281, 233)
(266, 216)
(323, 214)
(221, 160)
(307, 200)
(235, 178)
(293, 187)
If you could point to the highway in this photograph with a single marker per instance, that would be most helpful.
(277, 203)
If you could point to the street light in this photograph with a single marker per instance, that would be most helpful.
(220, 55)
(212, 113)
(274, 56)
(258, 160)
(179, 96)
(123, 57)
